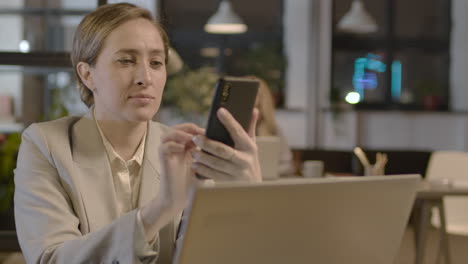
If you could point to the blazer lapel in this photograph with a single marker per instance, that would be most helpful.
(149, 189)
(150, 177)
(94, 173)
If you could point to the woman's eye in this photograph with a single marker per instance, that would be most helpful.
(156, 63)
(126, 61)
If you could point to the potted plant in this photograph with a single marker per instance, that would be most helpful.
(9, 146)
(187, 95)
(267, 62)
(430, 94)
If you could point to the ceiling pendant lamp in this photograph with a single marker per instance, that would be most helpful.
(357, 20)
(225, 21)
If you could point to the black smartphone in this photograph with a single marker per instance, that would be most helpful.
(237, 95)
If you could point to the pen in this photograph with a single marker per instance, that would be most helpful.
(361, 156)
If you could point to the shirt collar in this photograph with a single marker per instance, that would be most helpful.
(137, 157)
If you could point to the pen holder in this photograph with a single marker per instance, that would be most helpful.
(374, 170)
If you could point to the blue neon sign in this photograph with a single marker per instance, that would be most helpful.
(365, 74)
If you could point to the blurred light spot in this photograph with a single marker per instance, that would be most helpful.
(209, 52)
(352, 98)
(24, 46)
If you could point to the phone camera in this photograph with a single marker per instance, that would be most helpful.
(226, 91)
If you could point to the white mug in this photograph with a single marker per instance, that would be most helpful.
(312, 169)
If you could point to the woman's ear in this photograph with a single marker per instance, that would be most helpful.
(84, 71)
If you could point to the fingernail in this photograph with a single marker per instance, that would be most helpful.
(222, 111)
(196, 140)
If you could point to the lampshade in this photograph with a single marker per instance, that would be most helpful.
(357, 20)
(225, 21)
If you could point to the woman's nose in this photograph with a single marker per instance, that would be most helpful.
(143, 75)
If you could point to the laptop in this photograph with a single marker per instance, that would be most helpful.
(269, 156)
(326, 220)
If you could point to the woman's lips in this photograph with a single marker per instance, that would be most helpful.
(142, 99)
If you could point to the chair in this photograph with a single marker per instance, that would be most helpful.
(451, 166)
(445, 167)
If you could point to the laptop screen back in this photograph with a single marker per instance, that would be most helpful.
(333, 221)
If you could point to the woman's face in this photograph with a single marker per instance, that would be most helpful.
(130, 73)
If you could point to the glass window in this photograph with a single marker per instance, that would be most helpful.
(366, 76)
(422, 19)
(29, 26)
(423, 75)
(35, 94)
(402, 64)
(37, 80)
(258, 51)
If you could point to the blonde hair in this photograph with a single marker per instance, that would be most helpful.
(266, 125)
(93, 30)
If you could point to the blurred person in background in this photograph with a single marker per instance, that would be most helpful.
(267, 126)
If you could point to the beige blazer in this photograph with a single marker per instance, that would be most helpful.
(65, 203)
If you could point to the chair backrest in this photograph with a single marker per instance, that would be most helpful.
(453, 166)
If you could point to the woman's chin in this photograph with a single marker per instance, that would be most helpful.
(142, 115)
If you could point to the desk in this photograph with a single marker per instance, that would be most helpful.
(431, 195)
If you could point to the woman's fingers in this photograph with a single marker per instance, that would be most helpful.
(224, 163)
(183, 133)
(172, 147)
(190, 128)
(218, 149)
(178, 136)
(237, 132)
(211, 173)
(253, 123)
(214, 162)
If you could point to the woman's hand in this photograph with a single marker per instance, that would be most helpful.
(176, 178)
(175, 154)
(226, 163)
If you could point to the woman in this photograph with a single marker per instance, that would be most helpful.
(267, 126)
(109, 187)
